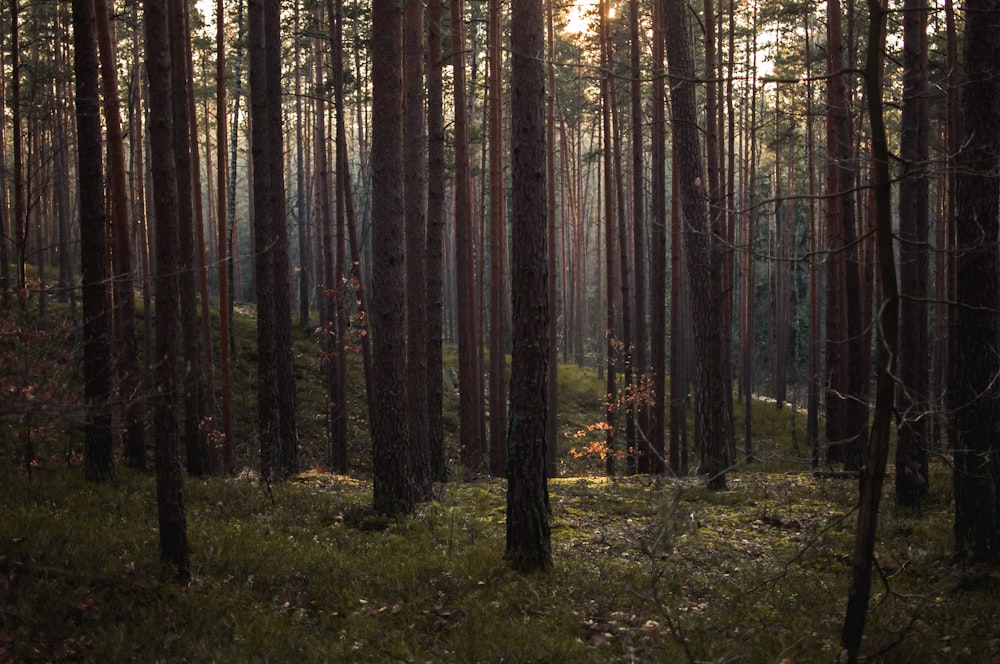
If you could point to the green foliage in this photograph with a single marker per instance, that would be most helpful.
(646, 570)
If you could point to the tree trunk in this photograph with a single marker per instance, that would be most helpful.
(877, 452)
(610, 244)
(658, 250)
(415, 191)
(528, 538)
(704, 258)
(498, 233)
(975, 405)
(469, 391)
(193, 390)
(393, 493)
(169, 479)
(127, 361)
(276, 381)
(93, 248)
(913, 401)
(435, 239)
(222, 216)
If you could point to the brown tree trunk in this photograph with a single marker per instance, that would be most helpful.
(975, 404)
(435, 239)
(658, 249)
(528, 538)
(393, 493)
(639, 357)
(469, 391)
(276, 384)
(913, 398)
(610, 244)
(126, 358)
(193, 390)
(5, 254)
(98, 465)
(498, 233)
(552, 379)
(20, 224)
(415, 186)
(704, 258)
(877, 452)
(169, 480)
(224, 260)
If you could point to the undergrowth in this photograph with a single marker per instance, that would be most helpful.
(649, 570)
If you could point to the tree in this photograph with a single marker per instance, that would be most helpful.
(975, 405)
(658, 248)
(704, 256)
(435, 238)
(528, 538)
(127, 363)
(913, 393)
(222, 216)
(469, 391)
(93, 247)
(390, 438)
(416, 233)
(498, 234)
(877, 452)
(169, 479)
(276, 379)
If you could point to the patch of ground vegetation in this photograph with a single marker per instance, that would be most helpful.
(648, 570)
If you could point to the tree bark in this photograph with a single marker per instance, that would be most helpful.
(169, 479)
(435, 239)
(704, 257)
(975, 405)
(913, 401)
(98, 465)
(393, 492)
(528, 537)
(877, 452)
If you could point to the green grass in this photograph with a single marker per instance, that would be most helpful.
(645, 570)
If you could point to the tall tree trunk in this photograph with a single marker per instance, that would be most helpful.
(658, 248)
(276, 381)
(435, 239)
(415, 186)
(639, 356)
(815, 278)
(301, 209)
(975, 405)
(393, 492)
(552, 378)
(913, 398)
(528, 538)
(610, 244)
(704, 257)
(169, 479)
(20, 204)
(5, 228)
(498, 233)
(877, 452)
(222, 216)
(98, 465)
(126, 358)
(469, 391)
(193, 390)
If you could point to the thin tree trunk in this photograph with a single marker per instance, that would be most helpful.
(415, 191)
(877, 452)
(658, 249)
(498, 232)
(169, 480)
(222, 216)
(435, 239)
(470, 392)
(610, 245)
(126, 358)
(98, 464)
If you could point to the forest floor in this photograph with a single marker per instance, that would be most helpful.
(645, 570)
